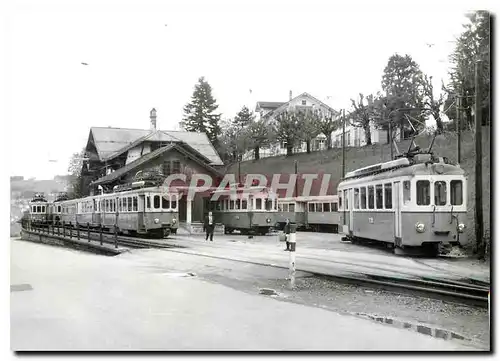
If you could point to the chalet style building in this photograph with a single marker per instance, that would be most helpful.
(303, 102)
(115, 155)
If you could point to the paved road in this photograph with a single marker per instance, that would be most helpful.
(68, 300)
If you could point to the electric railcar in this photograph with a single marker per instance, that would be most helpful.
(317, 213)
(38, 210)
(248, 210)
(132, 209)
(417, 201)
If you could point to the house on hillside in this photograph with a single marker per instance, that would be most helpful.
(116, 155)
(303, 102)
(355, 136)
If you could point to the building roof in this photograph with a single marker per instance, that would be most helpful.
(136, 163)
(268, 105)
(307, 95)
(111, 142)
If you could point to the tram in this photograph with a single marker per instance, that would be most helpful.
(316, 213)
(248, 210)
(418, 200)
(38, 209)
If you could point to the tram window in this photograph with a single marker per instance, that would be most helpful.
(319, 207)
(335, 207)
(231, 204)
(388, 195)
(440, 193)
(156, 202)
(135, 204)
(244, 204)
(456, 192)
(356, 198)
(258, 203)
(129, 203)
(423, 193)
(363, 198)
(38, 209)
(291, 207)
(43, 209)
(378, 196)
(311, 207)
(346, 200)
(269, 204)
(326, 207)
(340, 200)
(173, 202)
(165, 203)
(148, 202)
(237, 204)
(371, 195)
(280, 207)
(406, 192)
(59, 209)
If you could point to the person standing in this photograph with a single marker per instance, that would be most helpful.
(286, 230)
(209, 226)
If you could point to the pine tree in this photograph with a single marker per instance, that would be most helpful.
(243, 118)
(199, 114)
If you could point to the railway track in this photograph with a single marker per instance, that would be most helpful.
(469, 292)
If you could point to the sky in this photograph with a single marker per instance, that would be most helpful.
(150, 54)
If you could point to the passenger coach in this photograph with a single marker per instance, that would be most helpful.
(418, 201)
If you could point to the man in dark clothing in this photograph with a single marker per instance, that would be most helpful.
(209, 226)
(286, 230)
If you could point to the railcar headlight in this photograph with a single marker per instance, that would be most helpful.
(268, 220)
(461, 227)
(174, 220)
(157, 220)
(420, 227)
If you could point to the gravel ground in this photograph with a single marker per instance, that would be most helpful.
(389, 307)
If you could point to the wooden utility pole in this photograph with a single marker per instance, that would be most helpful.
(343, 143)
(479, 175)
(296, 180)
(457, 107)
(390, 135)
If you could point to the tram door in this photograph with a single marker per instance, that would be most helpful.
(350, 207)
(397, 210)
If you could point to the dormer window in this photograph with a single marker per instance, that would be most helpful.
(304, 102)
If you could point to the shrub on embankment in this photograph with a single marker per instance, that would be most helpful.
(330, 162)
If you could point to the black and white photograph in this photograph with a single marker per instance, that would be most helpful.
(249, 176)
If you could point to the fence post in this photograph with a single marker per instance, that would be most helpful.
(70, 228)
(291, 265)
(77, 231)
(88, 231)
(100, 234)
(58, 226)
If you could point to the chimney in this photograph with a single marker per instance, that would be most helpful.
(152, 116)
(290, 95)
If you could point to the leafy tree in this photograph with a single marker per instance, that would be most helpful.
(288, 130)
(402, 82)
(75, 174)
(244, 118)
(327, 124)
(433, 105)
(363, 114)
(199, 114)
(309, 126)
(472, 45)
(258, 135)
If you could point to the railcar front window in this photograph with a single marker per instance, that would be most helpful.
(456, 192)
(244, 204)
(406, 192)
(378, 196)
(59, 209)
(165, 203)
(356, 198)
(269, 204)
(319, 207)
(173, 202)
(231, 204)
(388, 195)
(43, 209)
(291, 207)
(237, 204)
(38, 209)
(135, 204)
(371, 203)
(156, 202)
(440, 193)
(363, 198)
(326, 207)
(423, 193)
(311, 207)
(258, 203)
